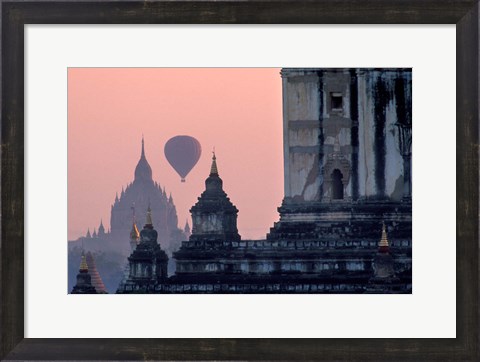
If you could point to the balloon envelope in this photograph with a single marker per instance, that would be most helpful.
(183, 153)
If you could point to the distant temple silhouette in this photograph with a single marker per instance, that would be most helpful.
(139, 194)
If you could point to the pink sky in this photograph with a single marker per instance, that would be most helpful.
(236, 110)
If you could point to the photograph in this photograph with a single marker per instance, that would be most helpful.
(239, 180)
(239, 164)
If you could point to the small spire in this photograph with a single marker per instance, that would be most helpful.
(187, 227)
(134, 233)
(101, 228)
(83, 264)
(383, 244)
(213, 169)
(143, 147)
(149, 216)
(88, 234)
(116, 197)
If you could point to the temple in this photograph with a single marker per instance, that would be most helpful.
(147, 263)
(84, 280)
(140, 194)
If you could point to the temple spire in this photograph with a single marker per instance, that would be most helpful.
(149, 216)
(134, 233)
(84, 280)
(213, 169)
(101, 229)
(384, 244)
(143, 171)
(83, 264)
(95, 277)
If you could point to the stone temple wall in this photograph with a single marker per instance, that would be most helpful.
(345, 120)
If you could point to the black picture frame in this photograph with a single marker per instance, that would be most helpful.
(15, 14)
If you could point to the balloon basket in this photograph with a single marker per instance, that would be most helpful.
(182, 180)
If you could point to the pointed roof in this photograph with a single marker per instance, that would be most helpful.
(101, 228)
(134, 233)
(214, 183)
(187, 227)
(149, 216)
(83, 285)
(143, 171)
(214, 169)
(383, 245)
(83, 264)
(213, 201)
(88, 234)
(95, 276)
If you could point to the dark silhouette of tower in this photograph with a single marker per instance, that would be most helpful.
(84, 280)
(148, 262)
(214, 217)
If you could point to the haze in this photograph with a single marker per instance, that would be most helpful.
(237, 111)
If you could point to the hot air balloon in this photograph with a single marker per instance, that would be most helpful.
(182, 153)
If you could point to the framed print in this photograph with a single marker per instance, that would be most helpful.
(347, 106)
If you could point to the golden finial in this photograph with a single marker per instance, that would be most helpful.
(384, 244)
(134, 234)
(213, 169)
(149, 216)
(83, 264)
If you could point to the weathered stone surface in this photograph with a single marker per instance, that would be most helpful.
(372, 107)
